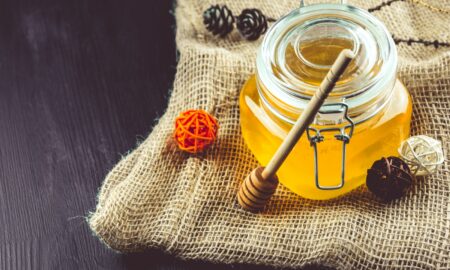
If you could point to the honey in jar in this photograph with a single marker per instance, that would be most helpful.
(365, 117)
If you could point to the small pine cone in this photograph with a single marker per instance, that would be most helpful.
(218, 20)
(251, 23)
(389, 178)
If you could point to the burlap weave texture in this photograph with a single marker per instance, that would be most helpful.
(159, 197)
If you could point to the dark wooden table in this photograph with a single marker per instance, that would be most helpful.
(81, 81)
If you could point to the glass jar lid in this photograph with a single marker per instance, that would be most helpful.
(300, 48)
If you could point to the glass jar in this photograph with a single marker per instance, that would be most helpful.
(366, 116)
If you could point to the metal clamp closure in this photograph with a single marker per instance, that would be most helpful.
(340, 110)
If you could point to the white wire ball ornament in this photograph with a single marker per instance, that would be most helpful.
(422, 154)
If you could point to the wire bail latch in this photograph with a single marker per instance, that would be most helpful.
(337, 113)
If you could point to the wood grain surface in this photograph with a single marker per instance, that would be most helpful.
(81, 81)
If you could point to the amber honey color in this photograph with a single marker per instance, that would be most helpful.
(377, 137)
(319, 53)
(294, 57)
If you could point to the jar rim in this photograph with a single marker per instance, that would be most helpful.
(365, 95)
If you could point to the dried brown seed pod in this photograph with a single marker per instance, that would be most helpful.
(389, 178)
(251, 23)
(218, 20)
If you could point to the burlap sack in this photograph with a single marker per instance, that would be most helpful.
(159, 197)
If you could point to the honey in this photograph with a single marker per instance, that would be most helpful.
(288, 71)
(320, 52)
(378, 137)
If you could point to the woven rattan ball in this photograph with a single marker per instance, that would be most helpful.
(422, 154)
(389, 178)
(195, 130)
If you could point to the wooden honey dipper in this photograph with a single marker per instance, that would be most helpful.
(259, 186)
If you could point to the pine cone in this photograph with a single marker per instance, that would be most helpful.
(218, 20)
(251, 23)
(389, 178)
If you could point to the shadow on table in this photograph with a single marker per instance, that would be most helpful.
(160, 260)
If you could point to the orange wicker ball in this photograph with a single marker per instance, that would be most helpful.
(195, 130)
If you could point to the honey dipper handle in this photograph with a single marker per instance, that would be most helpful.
(307, 116)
